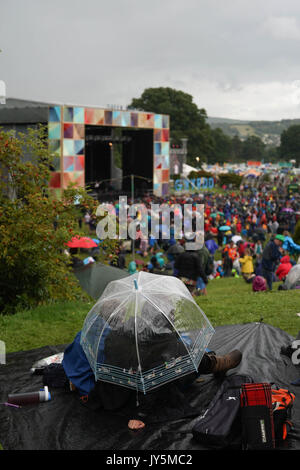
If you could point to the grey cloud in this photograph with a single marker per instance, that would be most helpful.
(100, 52)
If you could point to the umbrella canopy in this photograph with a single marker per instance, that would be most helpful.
(236, 238)
(82, 242)
(94, 277)
(175, 249)
(287, 209)
(225, 228)
(144, 331)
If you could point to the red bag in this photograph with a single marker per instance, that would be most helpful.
(257, 416)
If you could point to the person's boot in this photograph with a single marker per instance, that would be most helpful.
(221, 364)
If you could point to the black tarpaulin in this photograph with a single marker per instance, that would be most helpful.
(65, 424)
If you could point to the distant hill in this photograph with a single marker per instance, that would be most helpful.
(268, 131)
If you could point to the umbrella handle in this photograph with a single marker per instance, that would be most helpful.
(135, 284)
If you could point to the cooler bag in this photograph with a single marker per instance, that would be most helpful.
(257, 416)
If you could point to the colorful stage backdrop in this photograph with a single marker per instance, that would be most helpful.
(66, 132)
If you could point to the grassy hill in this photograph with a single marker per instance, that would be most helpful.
(229, 301)
(268, 131)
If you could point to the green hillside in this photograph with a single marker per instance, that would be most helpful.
(268, 131)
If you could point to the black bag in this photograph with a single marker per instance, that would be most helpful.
(257, 416)
(219, 426)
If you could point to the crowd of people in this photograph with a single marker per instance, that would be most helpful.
(245, 233)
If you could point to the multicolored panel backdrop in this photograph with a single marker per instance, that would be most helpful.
(66, 133)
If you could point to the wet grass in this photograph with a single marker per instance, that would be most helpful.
(51, 324)
(229, 301)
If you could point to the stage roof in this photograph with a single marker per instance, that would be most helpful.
(17, 111)
(20, 111)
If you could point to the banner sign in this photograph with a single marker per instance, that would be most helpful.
(196, 183)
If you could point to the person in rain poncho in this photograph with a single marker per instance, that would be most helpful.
(247, 264)
(132, 267)
(284, 268)
(120, 350)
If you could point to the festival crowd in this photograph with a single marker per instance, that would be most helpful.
(248, 233)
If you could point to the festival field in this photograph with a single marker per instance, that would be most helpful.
(229, 301)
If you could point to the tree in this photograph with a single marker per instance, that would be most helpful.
(34, 226)
(221, 151)
(230, 178)
(253, 148)
(272, 154)
(236, 149)
(186, 120)
(290, 144)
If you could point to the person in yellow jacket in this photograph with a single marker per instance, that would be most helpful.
(247, 265)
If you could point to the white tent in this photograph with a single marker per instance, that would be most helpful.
(186, 169)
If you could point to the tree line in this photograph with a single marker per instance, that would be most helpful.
(212, 145)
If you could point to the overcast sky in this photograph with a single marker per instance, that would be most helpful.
(237, 58)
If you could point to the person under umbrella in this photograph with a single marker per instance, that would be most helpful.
(147, 339)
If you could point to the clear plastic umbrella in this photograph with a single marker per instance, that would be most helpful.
(144, 331)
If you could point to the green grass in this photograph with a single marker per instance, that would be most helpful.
(229, 301)
(244, 129)
(51, 324)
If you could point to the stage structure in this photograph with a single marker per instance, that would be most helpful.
(82, 139)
